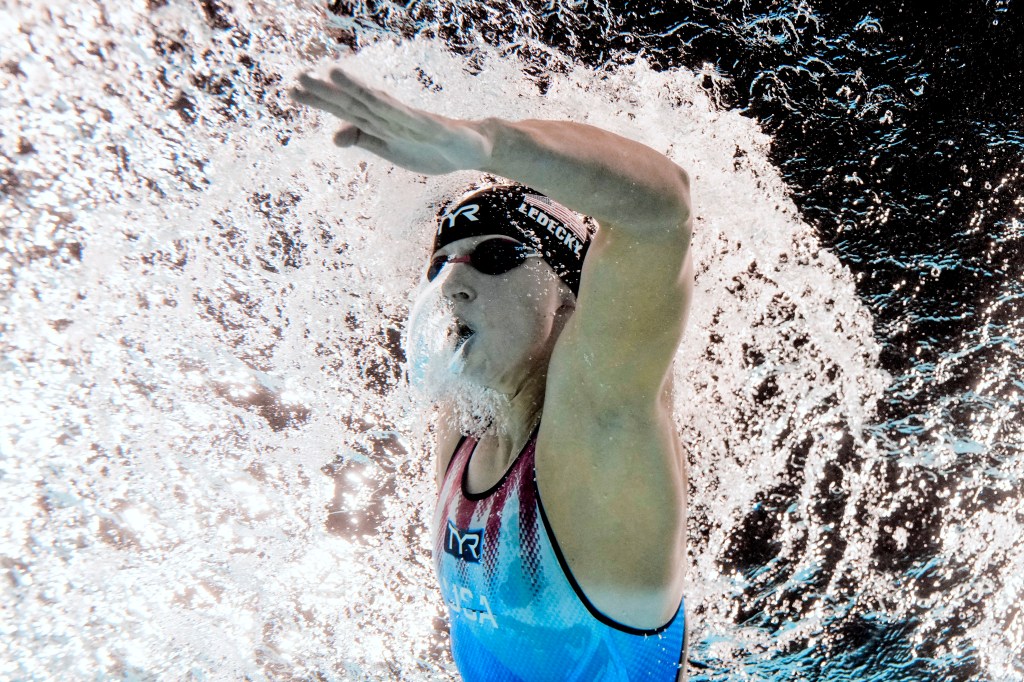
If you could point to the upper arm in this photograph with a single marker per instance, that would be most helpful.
(634, 297)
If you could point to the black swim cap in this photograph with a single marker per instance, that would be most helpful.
(557, 233)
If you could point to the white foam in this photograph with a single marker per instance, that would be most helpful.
(435, 368)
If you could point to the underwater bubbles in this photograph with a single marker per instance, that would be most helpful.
(435, 365)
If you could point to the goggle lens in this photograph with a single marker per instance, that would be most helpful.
(492, 257)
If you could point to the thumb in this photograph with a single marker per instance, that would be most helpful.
(351, 136)
(347, 136)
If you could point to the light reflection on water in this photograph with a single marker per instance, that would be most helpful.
(202, 314)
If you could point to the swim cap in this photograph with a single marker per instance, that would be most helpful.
(557, 233)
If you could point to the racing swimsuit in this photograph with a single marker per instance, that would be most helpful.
(517, 614)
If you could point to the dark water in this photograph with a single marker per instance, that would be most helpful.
(898, 127)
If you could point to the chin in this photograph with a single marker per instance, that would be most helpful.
(502, 369)
(486, 378)
(483, 379)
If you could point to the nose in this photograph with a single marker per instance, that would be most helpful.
(455, 285)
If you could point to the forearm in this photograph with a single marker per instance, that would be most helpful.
(613, 179)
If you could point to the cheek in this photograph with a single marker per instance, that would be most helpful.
(518, 330)
(526, 309)
(538, 317)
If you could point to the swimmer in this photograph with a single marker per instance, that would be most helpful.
(560, 534)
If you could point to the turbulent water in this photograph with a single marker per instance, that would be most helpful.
(212, 467)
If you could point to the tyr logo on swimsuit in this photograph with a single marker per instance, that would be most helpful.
(467, 545)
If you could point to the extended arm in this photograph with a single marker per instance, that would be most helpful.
(613, 179)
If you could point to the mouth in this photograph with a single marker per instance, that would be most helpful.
(463, 333)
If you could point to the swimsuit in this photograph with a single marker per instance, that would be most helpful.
(517, 614)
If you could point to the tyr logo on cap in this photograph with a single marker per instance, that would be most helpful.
(469, 211)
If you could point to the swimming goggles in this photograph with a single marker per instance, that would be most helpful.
(492, 257)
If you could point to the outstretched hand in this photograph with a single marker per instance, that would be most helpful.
(414, 139)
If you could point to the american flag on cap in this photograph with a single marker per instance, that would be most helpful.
(564, 215)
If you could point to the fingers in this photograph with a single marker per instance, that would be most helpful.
(362, 119)
(372, 100)
(379, 124)
(336, 98)
(372, 111)
(380, 103)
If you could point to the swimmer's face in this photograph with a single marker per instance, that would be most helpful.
(510, 321)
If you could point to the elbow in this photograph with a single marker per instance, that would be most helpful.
(681, 196)
(676, 212)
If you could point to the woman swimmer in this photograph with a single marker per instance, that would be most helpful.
(559, 537)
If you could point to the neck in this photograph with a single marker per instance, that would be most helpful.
(525, 407)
